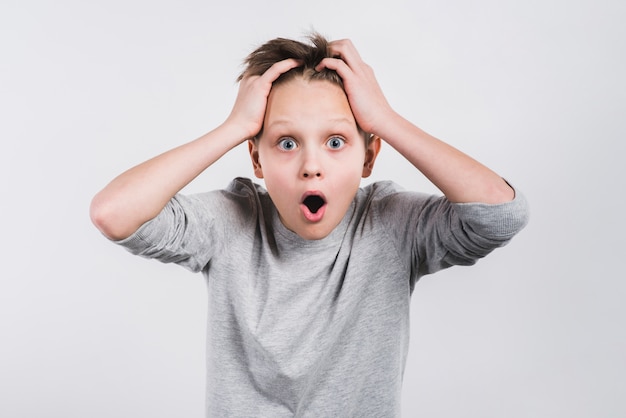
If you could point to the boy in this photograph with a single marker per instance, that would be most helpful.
(310, 281)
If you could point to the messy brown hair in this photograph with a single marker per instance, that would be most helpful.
(275, 50)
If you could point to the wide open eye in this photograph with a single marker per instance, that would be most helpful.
(336, 142)
(287, 144)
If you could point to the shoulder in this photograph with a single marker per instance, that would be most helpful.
(244, 192)
(240, 198)
(242, 186)
(382, 187)
(240, 191)
(378, 191)
(386, 195)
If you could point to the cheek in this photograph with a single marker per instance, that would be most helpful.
(351, 165)
(270, 158)
(347, 177)
(279, 178)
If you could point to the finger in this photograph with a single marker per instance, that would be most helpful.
(279, 68)
(345, 50)
(336, 64)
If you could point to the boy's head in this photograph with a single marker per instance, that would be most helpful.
(310, 152)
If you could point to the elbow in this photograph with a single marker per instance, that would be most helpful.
(107, 219)
(500, 192)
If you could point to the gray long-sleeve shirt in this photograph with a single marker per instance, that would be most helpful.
(316, 328)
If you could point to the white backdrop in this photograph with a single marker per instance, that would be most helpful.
(534, 89)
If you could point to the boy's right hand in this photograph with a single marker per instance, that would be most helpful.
(249, 109)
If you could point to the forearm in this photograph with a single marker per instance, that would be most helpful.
(461, 178)
(141, 192)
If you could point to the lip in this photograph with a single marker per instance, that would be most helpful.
(306, 212)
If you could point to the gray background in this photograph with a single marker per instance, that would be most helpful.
(534, 89)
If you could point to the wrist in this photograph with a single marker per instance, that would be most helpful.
(234, 132)
(385, 124)
(244, 127)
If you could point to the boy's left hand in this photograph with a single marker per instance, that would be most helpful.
(366, 98)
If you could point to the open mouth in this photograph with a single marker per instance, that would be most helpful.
(314, 202)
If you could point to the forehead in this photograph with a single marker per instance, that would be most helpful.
(299, 101)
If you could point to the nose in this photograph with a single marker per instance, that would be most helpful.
(311, 165)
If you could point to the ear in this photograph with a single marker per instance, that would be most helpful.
(254, 156)
(373, 148)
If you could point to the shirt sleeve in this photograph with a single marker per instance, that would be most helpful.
(433, 233)
(192, 228)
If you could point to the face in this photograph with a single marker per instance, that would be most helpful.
(311, 155)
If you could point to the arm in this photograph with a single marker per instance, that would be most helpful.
(461, 178)
(139, 194)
